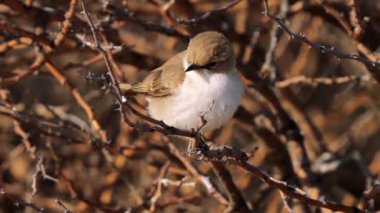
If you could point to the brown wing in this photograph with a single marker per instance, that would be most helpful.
(164, 80)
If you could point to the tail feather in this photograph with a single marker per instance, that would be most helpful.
(127, 89)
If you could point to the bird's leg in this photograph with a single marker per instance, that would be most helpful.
(191, 146)
(195, 147)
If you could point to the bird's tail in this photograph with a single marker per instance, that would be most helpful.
(126, 88)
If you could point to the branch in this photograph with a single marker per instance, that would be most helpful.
(287, 189)
(207, 15)
(122, 101)
(125, 13)
(237, 202)
(60, 203)
(7, 28)
(211, 189)
(355, 18)
(372, 193)
(15, 44)
(175, 156)
(157, 192)
(296, 193)
(40, 168)
(78, 97)
(38, 62)
(215, 154)
(323, 49)
(268, 71)
(43, 127)
(4, 94)
(322, 81)
(74, 189)
(66, 24)
(19, 203)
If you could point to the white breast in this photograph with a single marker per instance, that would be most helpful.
(214, 95)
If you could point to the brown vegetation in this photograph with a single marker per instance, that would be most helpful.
(305, 138)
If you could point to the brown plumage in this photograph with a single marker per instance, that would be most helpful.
(209, 47)
(201, 80)
(204, 49)
(157, 84)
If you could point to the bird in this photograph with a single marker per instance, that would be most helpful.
(198, 84)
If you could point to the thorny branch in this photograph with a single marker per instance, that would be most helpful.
(205, 16)
(126, 13)
(372, 65)
(50, 129)
(40, 168)
(80, 99)
(288, 190)
(59, 202)
(45, 127)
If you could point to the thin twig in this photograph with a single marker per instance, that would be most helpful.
(38, 62)
(40, 168)
(66, 24)
(7, 28)
(126, 13)
(355, 18)
(211, 189)
(296, 193)
(15, 44)
(81, 196)
(78, 97)
(4, 94)
(322, 81)
(59, 202)
(372, 193)
(287, 189)
(287, 202)
(19, 203)
(165, 11)
(207, 15)
(323, 49)
(43, 127)
(158, 188)
(268, 71)
(237, 202)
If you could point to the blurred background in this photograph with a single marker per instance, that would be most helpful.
(54, 90)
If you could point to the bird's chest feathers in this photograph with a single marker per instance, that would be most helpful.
(216, 96)
(208, 93)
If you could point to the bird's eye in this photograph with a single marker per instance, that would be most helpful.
(211, 65)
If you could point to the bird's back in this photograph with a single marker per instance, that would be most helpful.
(164, 80)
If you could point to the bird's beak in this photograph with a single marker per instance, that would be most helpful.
(193, 67)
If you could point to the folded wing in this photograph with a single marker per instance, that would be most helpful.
(164, 80)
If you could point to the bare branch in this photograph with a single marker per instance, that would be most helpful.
(59, 202)
(207, 15)
(79, 98)
(322, 81)
(323, 49)
(66, 24)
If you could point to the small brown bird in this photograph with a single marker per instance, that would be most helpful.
(201, 80)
